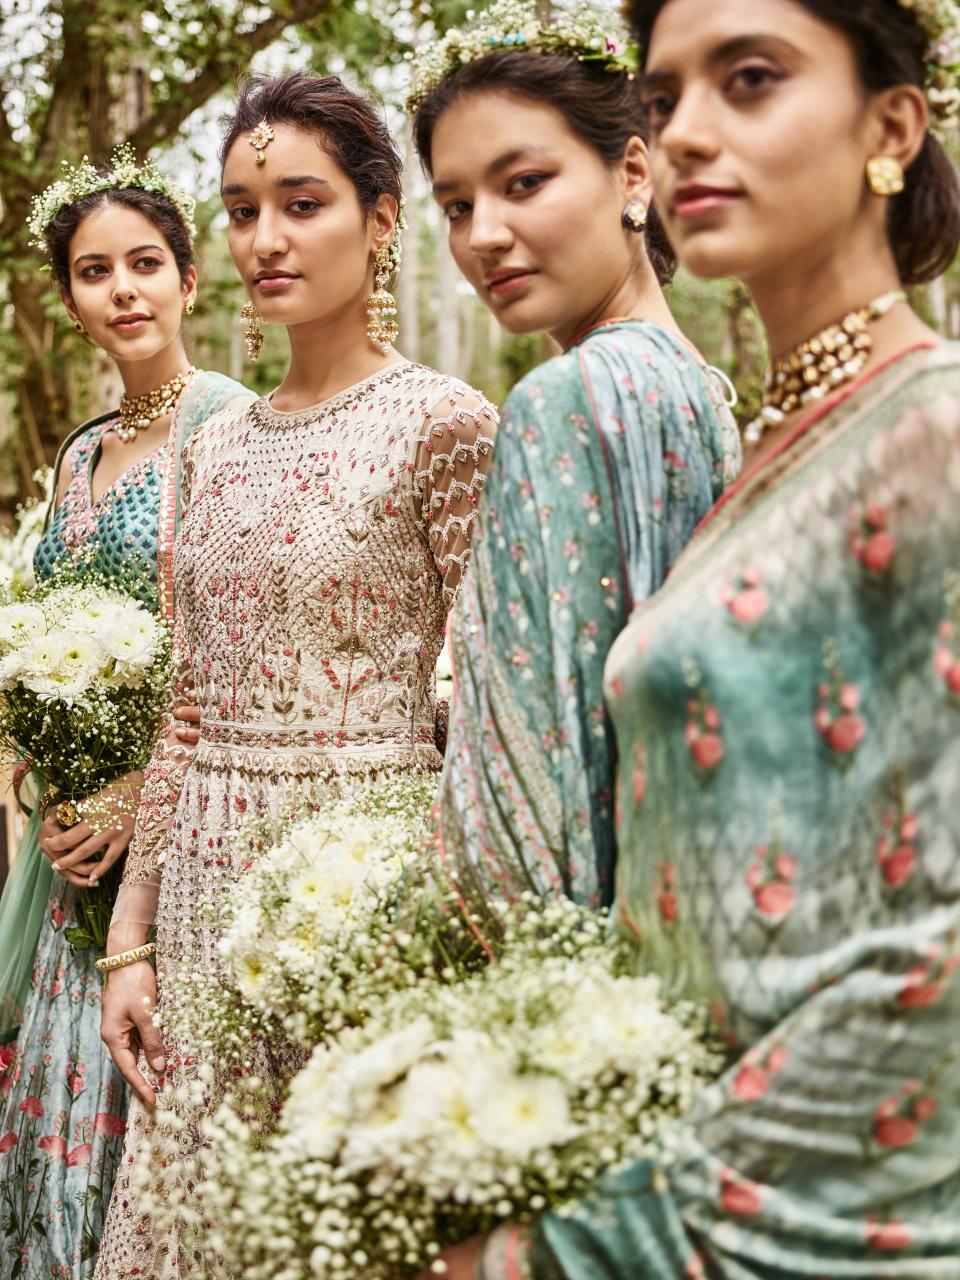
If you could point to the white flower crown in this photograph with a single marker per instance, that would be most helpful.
(85, 179)
(581, 33)
(940, 22)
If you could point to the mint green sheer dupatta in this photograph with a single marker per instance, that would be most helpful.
(22, 909)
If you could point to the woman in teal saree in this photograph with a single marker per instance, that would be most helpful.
(608, 455)
(786, 707)
(62, 1102)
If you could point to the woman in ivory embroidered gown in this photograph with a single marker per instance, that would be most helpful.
(115, 250)
(787, 706)
(324, 536)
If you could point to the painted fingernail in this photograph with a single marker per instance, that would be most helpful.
(93, 881)
(56, 866)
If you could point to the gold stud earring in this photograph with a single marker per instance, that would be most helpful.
(252, 334)
(188, 307)
(885, 176)
(634, 216)
(382, 328)
(78, 325)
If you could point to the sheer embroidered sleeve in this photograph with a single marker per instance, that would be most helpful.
(162, 781)
(450, 463)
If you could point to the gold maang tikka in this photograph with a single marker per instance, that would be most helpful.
(382, 328)
(260, 138)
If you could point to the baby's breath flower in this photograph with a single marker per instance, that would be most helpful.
(584, 33)
(85, 179)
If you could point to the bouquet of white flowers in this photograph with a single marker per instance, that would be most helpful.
(329, 913)
(455, 1107)
(84, 672)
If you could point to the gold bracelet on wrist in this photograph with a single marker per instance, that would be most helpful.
(123, 958)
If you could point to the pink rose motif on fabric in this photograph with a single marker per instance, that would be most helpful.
(837, 717)
(54, 1146)
(32, 1106)
(746, 600)
(946, 651)
(8, 1142)
(739, 1196)
(923, 984)
(870, 540)
(109, 1125)
(665, 894)
(753, 1079)
(702, 731)
(769, 878)
(887, 1233)
(896, 848)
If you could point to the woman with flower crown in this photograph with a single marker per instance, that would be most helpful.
(787, 708)
(119, 244)
(325, 532)
(609, 454)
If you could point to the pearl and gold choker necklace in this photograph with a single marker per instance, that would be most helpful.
(137, 412)
(828, 360)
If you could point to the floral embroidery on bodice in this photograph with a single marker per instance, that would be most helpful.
(318, 556)
(117, 532)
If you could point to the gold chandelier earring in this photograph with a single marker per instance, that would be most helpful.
(252, 334)
(885, 176)
(382, 328)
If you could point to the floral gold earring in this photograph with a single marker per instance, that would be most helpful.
(634, 216)
(78, 325)
(885, 176)
(252, 334)
(382, 328)
(188, 307)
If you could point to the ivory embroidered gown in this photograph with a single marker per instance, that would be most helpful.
(318, 555)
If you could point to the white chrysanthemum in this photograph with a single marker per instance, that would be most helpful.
(20, 623)
(523, 1114)
(132, 644)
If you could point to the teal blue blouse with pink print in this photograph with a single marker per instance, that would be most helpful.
(787, 710)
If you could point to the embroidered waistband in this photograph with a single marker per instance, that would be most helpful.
(225, 733)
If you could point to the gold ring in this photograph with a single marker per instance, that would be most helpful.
(67, 814)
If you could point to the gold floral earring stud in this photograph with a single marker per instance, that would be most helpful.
(885, 176)
(634, 216)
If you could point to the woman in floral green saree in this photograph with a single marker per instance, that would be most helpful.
(118, 252)
(787, 708)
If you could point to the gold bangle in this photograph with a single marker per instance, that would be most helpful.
(123, 958)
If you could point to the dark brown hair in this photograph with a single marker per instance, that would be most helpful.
(923, 222)
(600, 108)
(345, 123)
(156, 208)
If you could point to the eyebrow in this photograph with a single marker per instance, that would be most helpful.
(102, 257)
(725, 52)
(303, 180)
(497, 166)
